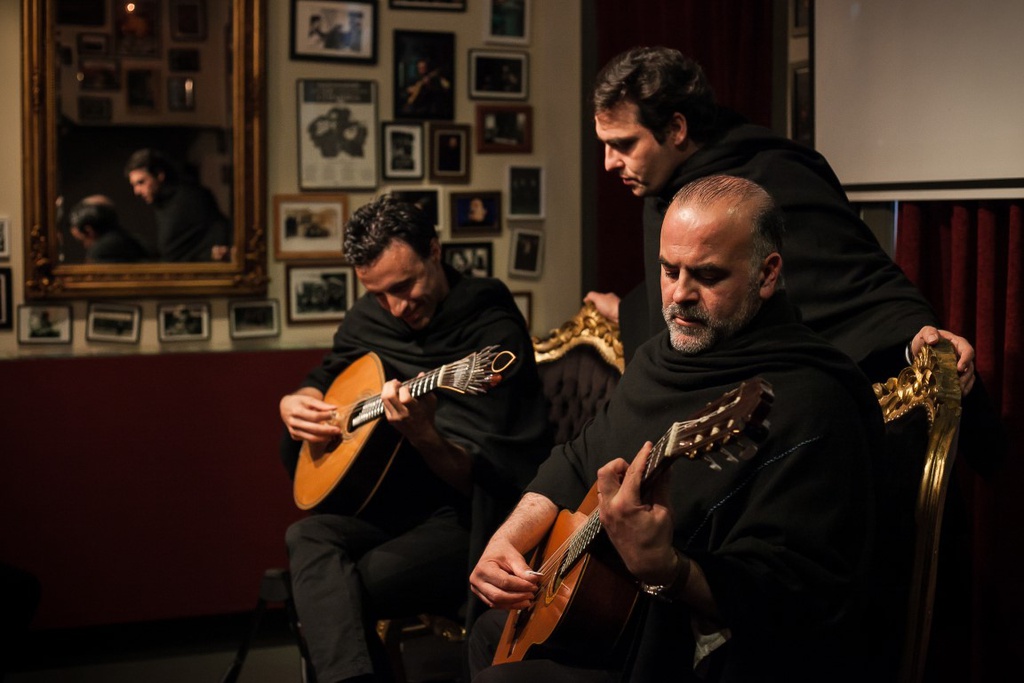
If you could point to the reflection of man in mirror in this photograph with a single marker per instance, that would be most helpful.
(336, 131)
(94, 223)
(189, 224)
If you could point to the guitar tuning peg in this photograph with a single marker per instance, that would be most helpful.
(711, 463)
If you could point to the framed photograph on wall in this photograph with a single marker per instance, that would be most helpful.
(449, 5)
(188, 20)
(334, 30)
(319, 293)
(97, 73)
(497, 75)
(504, 129)
(254, 319)
(449, 153)
(44, 324)
(508, 21)
(183, 59)
(181, 93)
(402, 144)
(142, 87)
(93, 44)
(309, 226)
(472, 259)
(475, 213)
(181, 322)
(525, 187)
(527, 254)
(6, 300)
(137, 28)
(802, 106)
(427, 199)
(5, 237)
(524, 302)
(424, 77)
(337, 129)
(119, 323)
(94, 109)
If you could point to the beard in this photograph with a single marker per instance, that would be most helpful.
(713, 331)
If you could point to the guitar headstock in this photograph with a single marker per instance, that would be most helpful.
(477, 372)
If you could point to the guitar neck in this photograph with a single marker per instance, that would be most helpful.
(371, 409)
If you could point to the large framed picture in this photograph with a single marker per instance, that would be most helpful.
(508, 21)
(449, 5)
(119, 323)
(504, 129)
(180, 322)
(498, 75)
(471, 259)
(254, 319)
(137, 28)
(424, 75)
(44, 324)
(475, 213)
(337, 132)
(525, 187)
(334, 30)
(6, 300)
(426, 199)
(319, 293)
(527, 254)
(402, 144)
(449, 153)
(309, 226)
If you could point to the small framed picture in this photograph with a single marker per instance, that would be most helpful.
(508, 21)
(319, 293)
(498, 75)
(424, 75)
(93, 44)
(334, 30)
(137, 28)
(337, 130)
(802, 106)
(182, 59)
(504, 128)
(44, 324)
(471, 259)
(402, 144)
(309, 226)
(183, 322)
(449, 5)
(254, 319)
(800, 17)
(141, 90)
(525, 187)
(527, 253)
(5, 237)
(6, 300)
(82, 12)
(475, 213)
(426, 199)
(99, 74)
(449, 153)
(181, 93)
(120, 323)
(188, 20)
(524, 302)
(94, 109)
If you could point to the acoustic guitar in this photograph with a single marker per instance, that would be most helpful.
(587, 596)
(351, 467)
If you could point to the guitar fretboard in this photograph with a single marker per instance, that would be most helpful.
(371, 409)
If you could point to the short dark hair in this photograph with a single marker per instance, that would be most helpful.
(660, 81)
(149, 160)
(100, 217)
(373, 227)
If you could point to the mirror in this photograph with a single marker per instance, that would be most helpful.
(104, 78)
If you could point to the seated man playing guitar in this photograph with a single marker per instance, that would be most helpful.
(462, 461)
(760, 568)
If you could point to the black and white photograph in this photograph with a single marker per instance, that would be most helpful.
(527, 255)
(402, 145)
(426, 199)
(495, 75)
(337, 131)
(188, 20)
(137, 28)
(448, 5)
(45, 324)
(180, 322)
(507, 21)
(334, 30)
(254, 319)
(449, 153)
(6, 300)
(471, 259)
(525, 187)
(118, 323)
(424, 75)
(309, 226)
(504, 129)
(319, 293)
(475, 213)
(5, 237)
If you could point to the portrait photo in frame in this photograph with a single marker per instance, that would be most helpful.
(449, 153)
(475, 213)
(525, 188)
(180, 322)
(254, 319)
(309, 226)
(402, 147)
(427, 199)
(334, 30)
(447, 5)
(507, 21)
(504, 129)
(46, 324)
(498, 75)
(424, 76)
(319, 293)
(527, 255)
(337, 130)
(6, 300)
(93, 44)
(471, 259)
(188, 20)
(142, 90)
(118, 323)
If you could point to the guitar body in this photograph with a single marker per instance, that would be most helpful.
(351, 468)
(588, 610)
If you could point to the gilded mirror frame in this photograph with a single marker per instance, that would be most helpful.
(45, 277)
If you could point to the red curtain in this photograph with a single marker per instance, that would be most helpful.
(967, 256)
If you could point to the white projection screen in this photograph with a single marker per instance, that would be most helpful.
(921, 95)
